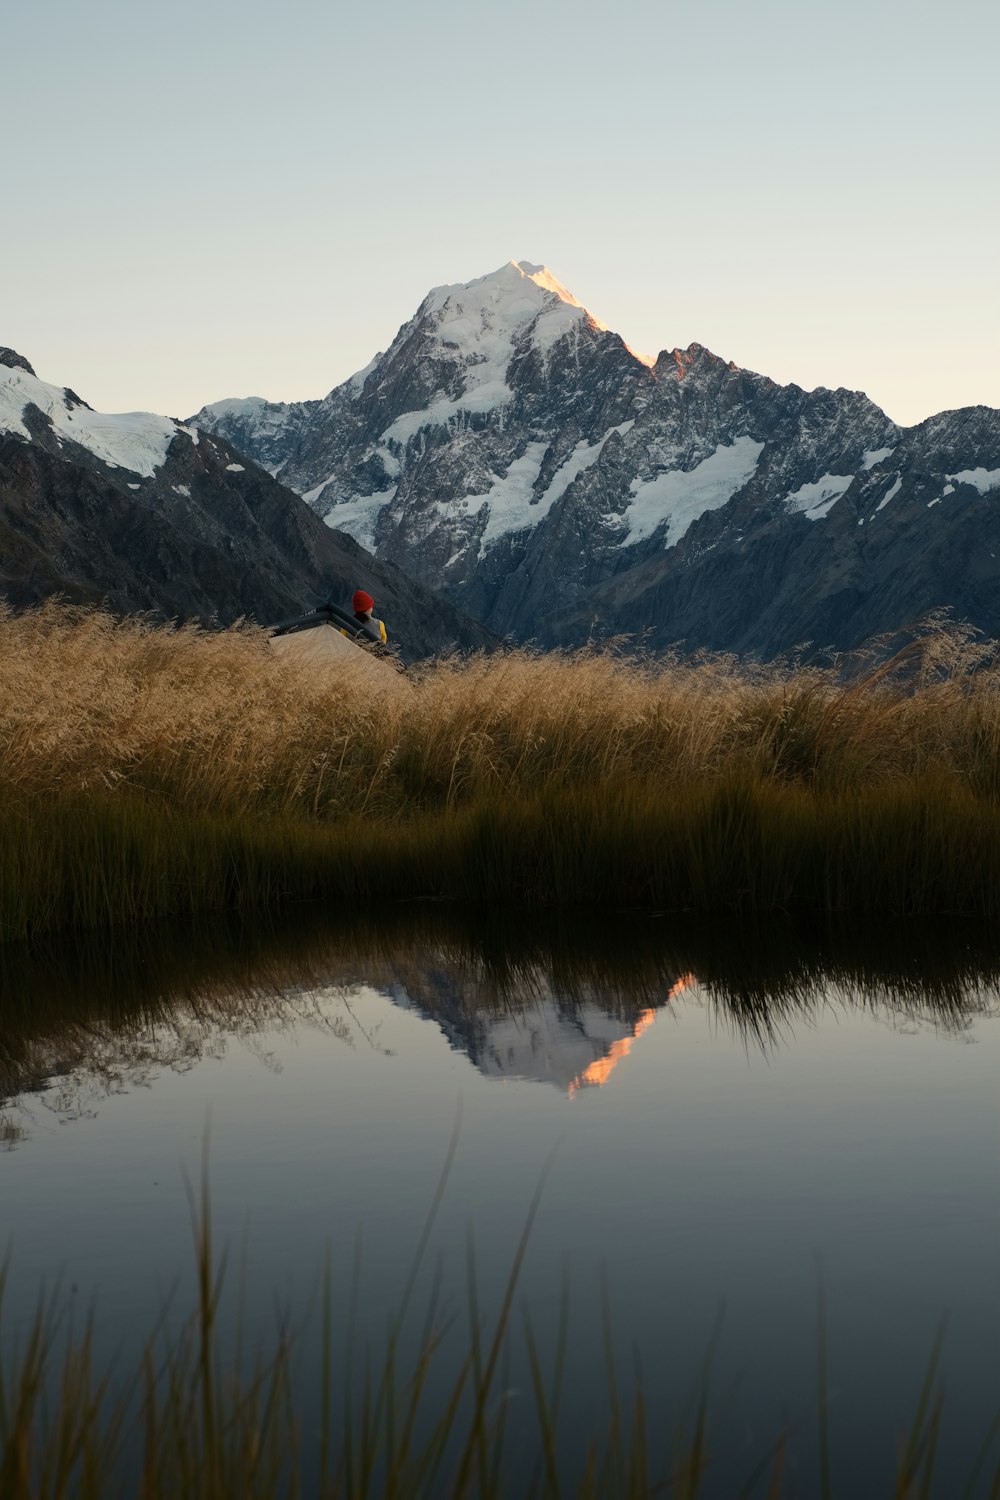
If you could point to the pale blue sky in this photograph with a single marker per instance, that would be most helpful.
(225, 199)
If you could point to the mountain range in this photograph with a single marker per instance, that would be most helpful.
(511, 451)
(144, 513)
(510, 467)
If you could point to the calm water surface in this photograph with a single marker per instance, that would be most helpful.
(722, 1113)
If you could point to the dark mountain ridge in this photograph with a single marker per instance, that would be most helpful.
(144, 514)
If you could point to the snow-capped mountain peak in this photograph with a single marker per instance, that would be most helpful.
(510, 447)
(543, 277)
(505, 282)
(464, 353)
(136, 441)
(499, 308)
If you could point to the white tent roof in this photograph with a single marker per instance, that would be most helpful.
(323, 646)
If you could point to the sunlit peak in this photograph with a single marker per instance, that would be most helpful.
(644, 359)
(543, 277)
(546, 282)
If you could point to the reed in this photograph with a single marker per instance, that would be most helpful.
(147, 771)
(207, 1416)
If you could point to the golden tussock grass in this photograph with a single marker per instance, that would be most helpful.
(145, 770)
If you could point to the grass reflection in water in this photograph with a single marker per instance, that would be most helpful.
(118, 1010)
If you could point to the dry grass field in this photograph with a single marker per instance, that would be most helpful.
(146, 770)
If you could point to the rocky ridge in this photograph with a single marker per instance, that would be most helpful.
(513, 451)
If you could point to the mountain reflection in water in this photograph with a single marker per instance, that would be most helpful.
(720, 1103)
(553, 1000)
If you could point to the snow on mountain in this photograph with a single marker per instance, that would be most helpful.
(478, 326)
(982, 480)
(142, 513)
(485, 317)
(515, 502)
(137, 441)
(890, 493)
(358, 517)
(455, 377)
(677, 497)
(876, 456)
(817, 499)
(513, 450)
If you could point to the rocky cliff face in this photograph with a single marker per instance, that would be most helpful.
(144, 513)
(852, 556)
(513, 451)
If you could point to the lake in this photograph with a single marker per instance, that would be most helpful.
(729, 1124)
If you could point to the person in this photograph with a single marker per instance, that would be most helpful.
(364, 605)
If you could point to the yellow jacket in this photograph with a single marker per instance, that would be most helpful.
(378, 625)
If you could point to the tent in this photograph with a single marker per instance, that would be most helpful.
(329, 635)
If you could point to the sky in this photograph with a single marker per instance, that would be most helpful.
(232, 198)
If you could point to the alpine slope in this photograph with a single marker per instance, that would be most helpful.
(511, 450)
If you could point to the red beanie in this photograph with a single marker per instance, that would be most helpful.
(361, 602)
